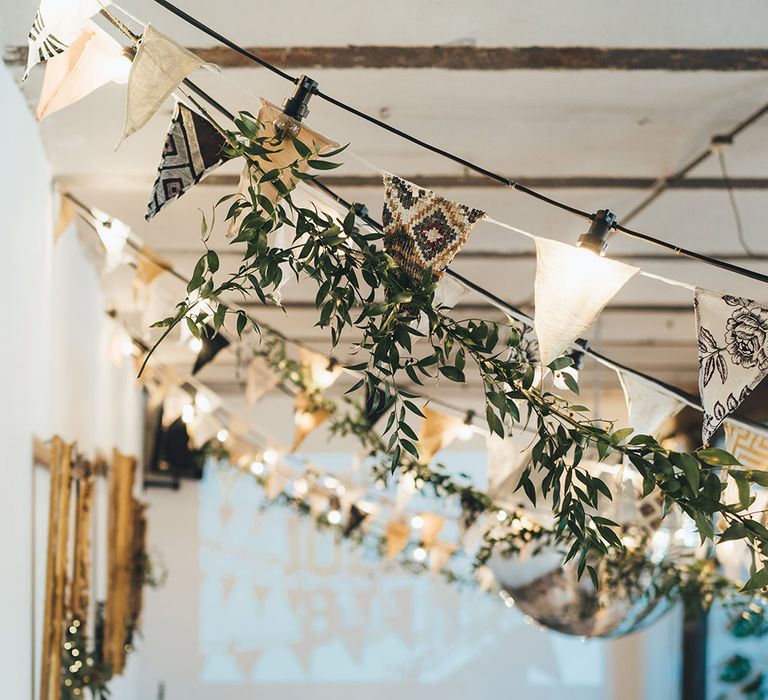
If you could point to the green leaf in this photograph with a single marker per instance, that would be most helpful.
(757, 581)
(453, 373)
(717, 457)
(322, 165)
(737, 531)
(560, 363)
(213, 260)
(690, 468)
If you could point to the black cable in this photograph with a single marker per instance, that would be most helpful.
(678, 250)
(734, 205)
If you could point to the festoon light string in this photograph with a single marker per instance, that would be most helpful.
(501, 179)
(595, 239)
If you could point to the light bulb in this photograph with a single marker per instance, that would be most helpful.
(188, 413)
(419, 554)
(270, 456)
(202, 402)
(417, 522)
(126, 346)
(305, 420)
(465, 432)
(257, 468)
(334, 517)
(222, 435)
(501, 516)
(286, 127)
(195, 344)
(596, 239)
(300, 486)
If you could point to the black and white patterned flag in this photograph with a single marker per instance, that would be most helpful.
(733, 353)
(193, 148)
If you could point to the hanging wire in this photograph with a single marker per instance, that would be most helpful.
(678, 250)
(732, 200)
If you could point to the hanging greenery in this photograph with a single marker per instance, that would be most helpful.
(361, 288)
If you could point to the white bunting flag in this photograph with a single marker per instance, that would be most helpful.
(733, 353)
(260, 380)
(57, 25)
(647, 407)
(572, 287)
(93, 60)
(160, 65)
(507, 457)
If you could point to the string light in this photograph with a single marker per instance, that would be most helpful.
(295, 108)
(203, 402)
(300, 487)
(596, 238)
(257, 468)
(222, 435)
(419, 554)
(334, 517)
(501, 516)
(188, 413)
(466, 429)
(270, 456)
(195, 344)
(417, 522)
(326, 376)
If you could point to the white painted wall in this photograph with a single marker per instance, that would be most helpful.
(56, 376)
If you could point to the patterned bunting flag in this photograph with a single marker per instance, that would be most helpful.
(213, 344)
(193, 148)
(572, 287)
(160, 65)
(647, 407)
(421, 229)
(733, 353)
(57, 24)
(93, 60)
(748, 446)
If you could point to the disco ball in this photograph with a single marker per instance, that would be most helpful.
(631, 594)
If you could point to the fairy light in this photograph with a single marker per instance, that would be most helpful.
(419, 554)
(222, 435)
(188, 413)
(326, 376)
(501, 515)
(257, 468)
(195, 344)
(300, 486)
(203, 402)
(334, 517)
(417, 522)
(270, 456)
(596, 239)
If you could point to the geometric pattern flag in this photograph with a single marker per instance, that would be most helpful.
(437, 432)
(748, 446)
(57, 24)
(647, 407)
(285, 156)
(422, 229)
(193, 148)
(733, 353)
(572, 287)
(93, 60)
(158, 68)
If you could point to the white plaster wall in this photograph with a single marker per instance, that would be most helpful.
(55, 377)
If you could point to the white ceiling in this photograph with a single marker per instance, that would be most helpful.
(524, 123)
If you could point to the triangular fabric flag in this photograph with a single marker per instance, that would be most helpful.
(431, 524)
(285, 156)
(158, 68)
(507, 457)
(748, 446)
(733, 353)
(149, 267)
(64, 217)
(307, 418)
(440, 554)
(193, 148)
(57, 25)
(113, 235)
(647, 407)
(259, 380)
(572, 287)
(213, 344)
(396, 537)
(422, 229)
(93, 60)
(437, 432)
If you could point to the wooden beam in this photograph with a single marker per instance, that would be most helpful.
(578, 182)
(481, 58)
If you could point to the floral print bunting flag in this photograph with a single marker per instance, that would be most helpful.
(421, 229)
(733, 353)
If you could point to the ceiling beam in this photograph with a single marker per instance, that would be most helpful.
(577, 182)
(482, 58)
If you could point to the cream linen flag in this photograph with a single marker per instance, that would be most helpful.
(306, 419)
(320, 370)
(432, 524)
(57, 25)
(259, 380)
(93, 60)
(647, 407)
(733, 353)
(160, 65)
(572, 287)
(437, 432)
(64, 217)
(440, 554)
(396, 537)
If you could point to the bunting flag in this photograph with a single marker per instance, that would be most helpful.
(307, 418)
(748, 446)
(320, 370)
(148, 268)
(259, 380)
(431, 525)
(572, 287)
(437, 432)
(507, 457)
(64, 217)
(274, 484)
(647, 407)
(160, 65)
(421, 229)
(396, 537)
(93, 60)
(213, 344)
(193, 148)
(733, 353)
(440, 554)
(57, 25)
(113, 235)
